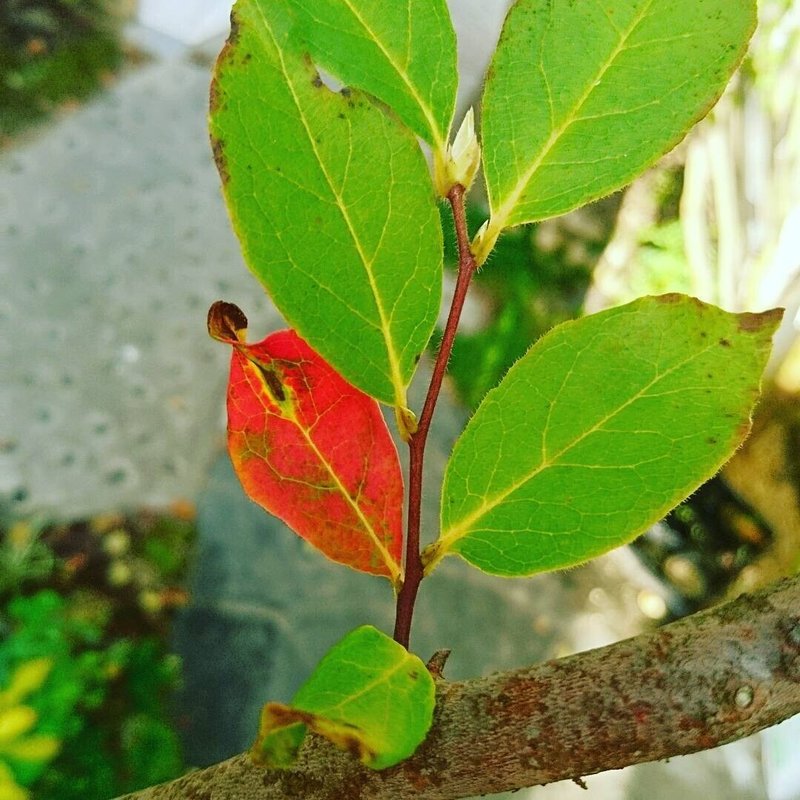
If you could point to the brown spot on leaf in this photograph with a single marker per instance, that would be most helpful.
(235, 33)
(218, 148)
(225, 56)
(356, 747)
(273, 383)
(214, 97)
(724, 343)
(282, 715)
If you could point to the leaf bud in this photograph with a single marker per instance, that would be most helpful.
(462, 159)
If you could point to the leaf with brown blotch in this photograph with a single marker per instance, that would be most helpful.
(312, 449)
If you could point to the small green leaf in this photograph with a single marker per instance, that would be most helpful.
(402, 52)
(601, 428)
(368, 695)
(332, 202)
(582, 96)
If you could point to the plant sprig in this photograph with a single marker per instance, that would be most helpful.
(602, 427)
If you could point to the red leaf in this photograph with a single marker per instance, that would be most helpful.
(312, 449)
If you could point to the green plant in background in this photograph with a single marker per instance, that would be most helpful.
(39, 631)
(536, 279)
(52, 51)
(93, 723)
(24, 558)
(24, 753)
(85, 609)
(596, 431)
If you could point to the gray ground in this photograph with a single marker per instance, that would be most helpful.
(114, 243)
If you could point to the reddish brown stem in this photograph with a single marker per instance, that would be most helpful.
(413, 566)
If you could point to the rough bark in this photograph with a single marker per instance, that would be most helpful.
(692, 685)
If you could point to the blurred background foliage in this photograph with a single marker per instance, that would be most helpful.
(86, 678)
(55, 52)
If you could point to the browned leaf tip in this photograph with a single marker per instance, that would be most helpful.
(671, 297)
(751, 323)
(225, 321)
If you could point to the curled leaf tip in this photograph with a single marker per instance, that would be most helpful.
(226, 322)
(755, 322)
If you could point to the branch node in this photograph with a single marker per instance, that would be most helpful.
(437, 662)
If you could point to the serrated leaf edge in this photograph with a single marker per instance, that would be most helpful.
(499, 218)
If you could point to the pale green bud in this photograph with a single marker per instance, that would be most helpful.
(465, 152)
(462, 159)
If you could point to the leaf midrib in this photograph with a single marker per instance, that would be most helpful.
(288, 413)
(464, 527)
(423, 105)
(393, 567)
(384, 677)
(499, 218)
(396, 377)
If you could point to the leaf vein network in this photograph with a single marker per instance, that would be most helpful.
(461, 528)
(512, 199)
(396, 377)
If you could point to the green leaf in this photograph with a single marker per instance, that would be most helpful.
(368, 695)
(403, 53)
(332, 202)
(582, 96)
(599, 430)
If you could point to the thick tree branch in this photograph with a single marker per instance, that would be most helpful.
(698, 683)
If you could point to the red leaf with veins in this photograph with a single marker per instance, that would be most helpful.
(312, 449)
